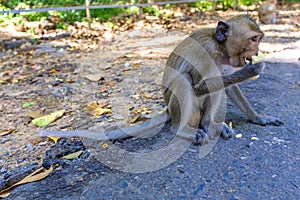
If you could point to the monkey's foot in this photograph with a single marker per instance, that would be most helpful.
(267, 120)
(227, 132)
(200, 137)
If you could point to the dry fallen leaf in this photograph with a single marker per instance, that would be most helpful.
(97, 110)
(128, 55)
(137, 119)
(14, 80)
(73, 155)
(34, 114)
(37, 175)
(3, 81)
(6, 132)
(54, 139)
(134, 119)
(144, 110)
(126, 69)
(48, 119)
(137, 64)
(147, 95)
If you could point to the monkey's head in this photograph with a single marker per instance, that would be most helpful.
(241, 36)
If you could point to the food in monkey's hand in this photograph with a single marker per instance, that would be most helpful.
(258, 58)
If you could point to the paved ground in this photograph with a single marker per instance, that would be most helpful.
(240, 168)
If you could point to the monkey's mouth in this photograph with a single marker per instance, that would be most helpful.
(247, 60)
(255, 59)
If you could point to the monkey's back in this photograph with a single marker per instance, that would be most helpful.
(195, 55)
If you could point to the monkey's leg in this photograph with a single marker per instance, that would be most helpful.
(236, 96)
(213, 118)
(184, 109)
(185, 118)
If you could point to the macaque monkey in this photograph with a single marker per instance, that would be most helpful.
(267, 12)
(199, 72)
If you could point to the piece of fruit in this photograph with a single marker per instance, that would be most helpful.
(258, 58)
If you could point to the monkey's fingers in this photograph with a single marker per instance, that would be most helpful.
(200, 138)
(268, 120)
(227, 132)
(276, 122)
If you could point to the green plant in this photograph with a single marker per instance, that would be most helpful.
(202, 5)
(102, 15)
(152, 10)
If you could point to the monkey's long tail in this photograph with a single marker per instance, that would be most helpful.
(145, 129)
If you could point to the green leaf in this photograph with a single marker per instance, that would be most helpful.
(48, 119)
(73, 155)
(27, 104)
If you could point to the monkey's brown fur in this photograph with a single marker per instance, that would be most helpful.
(198, 73)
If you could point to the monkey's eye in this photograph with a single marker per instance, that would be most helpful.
(255, 39)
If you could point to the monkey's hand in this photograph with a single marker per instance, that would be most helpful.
(267, 120)
(252, 70)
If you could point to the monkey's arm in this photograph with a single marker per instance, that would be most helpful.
(145, 129)
(239, 100)
(216, 84)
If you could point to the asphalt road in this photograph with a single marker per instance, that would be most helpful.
(264, 167)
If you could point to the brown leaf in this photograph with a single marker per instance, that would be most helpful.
(37, 175)
(111, 83)
(137, 64)
(128, 55)
(147, 95)
(53, 71)
(6, 132)
(97, 110)
(34, 114)
(126, 69)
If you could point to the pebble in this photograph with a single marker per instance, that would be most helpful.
(4, 140)
(254, 138)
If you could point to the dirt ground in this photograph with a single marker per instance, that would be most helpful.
(117, 83)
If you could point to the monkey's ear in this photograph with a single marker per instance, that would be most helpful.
(222, 31)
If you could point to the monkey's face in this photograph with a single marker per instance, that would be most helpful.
(243, 41)
(251, 49)
(245, 49)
